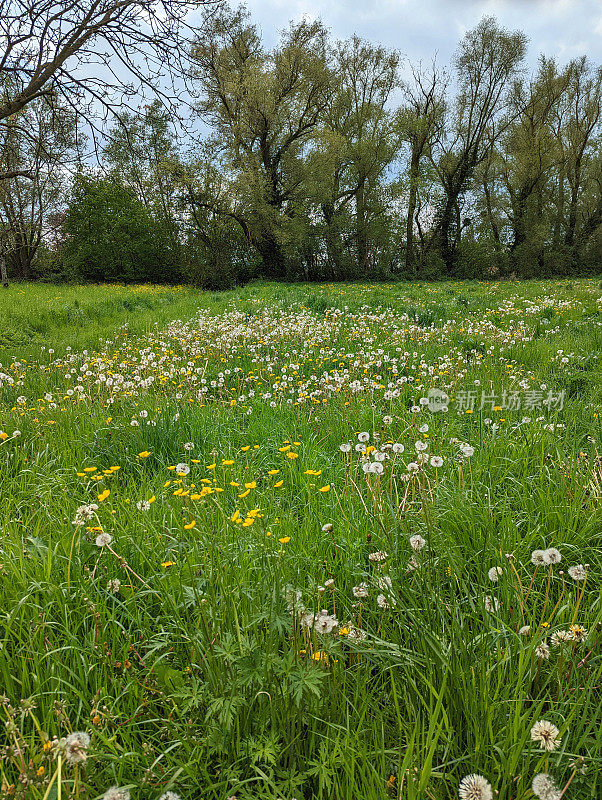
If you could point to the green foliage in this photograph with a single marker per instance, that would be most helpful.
(110, 236)
(178, 649)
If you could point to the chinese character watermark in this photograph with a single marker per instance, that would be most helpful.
(471, 400)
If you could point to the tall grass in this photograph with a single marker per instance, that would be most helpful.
(181, 645)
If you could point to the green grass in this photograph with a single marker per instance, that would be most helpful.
(177, 647)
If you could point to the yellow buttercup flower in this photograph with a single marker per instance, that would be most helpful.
(190, 525)
(103, 495)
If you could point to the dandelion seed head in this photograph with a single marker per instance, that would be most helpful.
(551, 556)
(417, 542)
(546, 734)
(475, 787)
(76, 747)
(578, 572)
(544, 787)
(494, 574)
(116, 793)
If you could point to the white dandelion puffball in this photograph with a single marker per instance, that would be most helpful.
(76, 747)
(551, 556)
(475, 787)
(494, 574)
(578, 572)
(417, 542)
(546, 734)
(544, 787)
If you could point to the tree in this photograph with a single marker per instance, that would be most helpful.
(27, 201)
(421, 121)
(108, 235)
(353, 148)
(487, 60)
(263, 108)
(578, 123)
(140, 155)
(528, 158)
(67, 51)
(45, 44)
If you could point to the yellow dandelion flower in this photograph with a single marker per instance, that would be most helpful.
(284, 539)
(273, 471)
(103, 495)
(292, 455)
(325, 488)
(144, 454)
(278, 484)
(251, 485)
(167, 563)
(190, 525)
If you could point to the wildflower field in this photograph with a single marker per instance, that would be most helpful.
(328, 541)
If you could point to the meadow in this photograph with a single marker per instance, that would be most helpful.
(301, 541)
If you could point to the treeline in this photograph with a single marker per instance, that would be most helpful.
(317, 160)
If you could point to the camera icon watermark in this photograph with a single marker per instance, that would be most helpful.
(437, 400)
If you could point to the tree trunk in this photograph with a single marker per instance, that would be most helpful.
(274, 261)
(490, 219)
(557, 235)
(331, 239)
(363, 254)
(569, 238)
(414, 171)
(442, 232)
(3, 272)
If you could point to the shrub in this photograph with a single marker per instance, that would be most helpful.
(109, 235)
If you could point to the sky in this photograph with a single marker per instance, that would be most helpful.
(420, 29)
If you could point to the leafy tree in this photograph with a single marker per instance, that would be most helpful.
(263, 108)
(353, 149)
(421, 122)
(110, 236)
(41, 141)
(141, 154)
(487, 60)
